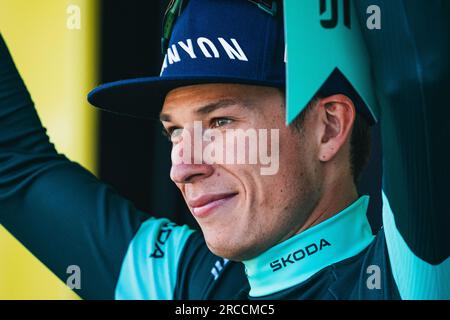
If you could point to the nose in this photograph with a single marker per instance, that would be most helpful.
(189, 173)
(187, 164)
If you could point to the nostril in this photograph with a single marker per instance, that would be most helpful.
(192, 177)
(184, 173)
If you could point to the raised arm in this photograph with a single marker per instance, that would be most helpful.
(65, 216)
(412, 69)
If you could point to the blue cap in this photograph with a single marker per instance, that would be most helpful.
(220, 41)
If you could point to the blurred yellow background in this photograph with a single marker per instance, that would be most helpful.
(58, 63)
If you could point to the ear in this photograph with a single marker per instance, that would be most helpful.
(337, 114)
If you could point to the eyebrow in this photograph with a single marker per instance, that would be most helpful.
(210, 107)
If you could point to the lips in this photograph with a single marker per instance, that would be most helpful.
(205, 204)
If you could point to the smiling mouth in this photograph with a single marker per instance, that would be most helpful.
(204, 205)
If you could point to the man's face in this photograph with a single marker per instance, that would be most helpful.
(241, 211)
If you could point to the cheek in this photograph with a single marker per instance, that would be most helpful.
(294, 175)
(298, 170)
(294, 155)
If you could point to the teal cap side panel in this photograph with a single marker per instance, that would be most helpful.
(313, 52)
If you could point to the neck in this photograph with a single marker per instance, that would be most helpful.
(300, 257)
(335, 198)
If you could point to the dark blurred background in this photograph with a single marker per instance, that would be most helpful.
(134, 155)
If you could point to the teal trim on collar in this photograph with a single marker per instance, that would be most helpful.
(298, 258)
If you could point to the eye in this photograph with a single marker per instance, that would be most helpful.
(219, 122)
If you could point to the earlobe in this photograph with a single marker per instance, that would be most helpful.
(338, 117)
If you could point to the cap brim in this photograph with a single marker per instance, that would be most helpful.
(144, 97)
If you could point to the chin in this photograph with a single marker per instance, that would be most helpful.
(231, 249)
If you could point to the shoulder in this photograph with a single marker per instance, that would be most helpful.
(366, 276)
(203, 275)
(150, 265)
